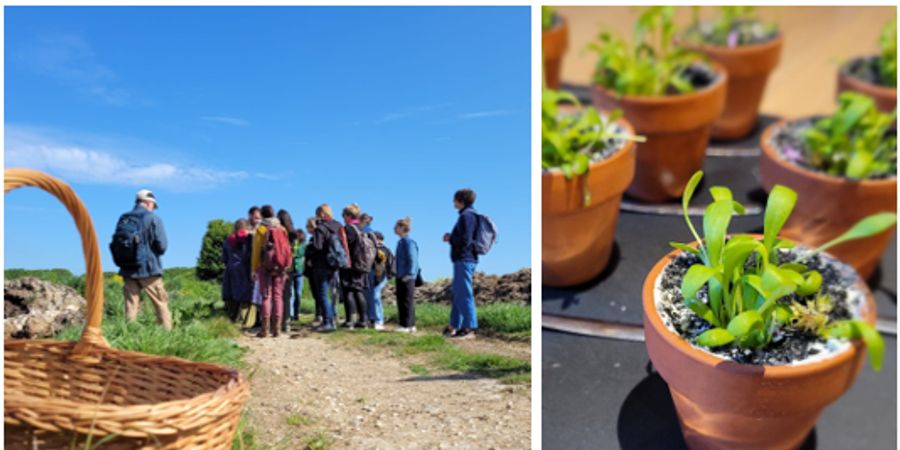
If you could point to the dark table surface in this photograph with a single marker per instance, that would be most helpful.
(601, 393)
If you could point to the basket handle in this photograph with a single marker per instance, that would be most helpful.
(93, 290)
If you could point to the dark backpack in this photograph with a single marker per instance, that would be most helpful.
(362, 255)
(128, 247)
(485, 234)
(276, 257)
(336, 251)
(384, 265)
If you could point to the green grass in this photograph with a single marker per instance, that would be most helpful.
(418, 369)
(299, 420)
(320, 441)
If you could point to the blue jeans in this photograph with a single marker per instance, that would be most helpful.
(298, 293)
(462, 308)
(322, 285)
(373, 300)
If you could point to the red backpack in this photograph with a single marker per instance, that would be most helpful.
(277, 253)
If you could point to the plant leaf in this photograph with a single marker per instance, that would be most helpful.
(778, 208)
(715, 337)
(869, 226)
(745, 323)
(810, 285)
(856, 329)
(696, 276)
(685, 247)
(715, 227)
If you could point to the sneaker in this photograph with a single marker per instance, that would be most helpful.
(449, 332)
(401, 330)
(327, 328)
(465, 333)
(360, 325)
(347, 325)
(286, 328)
(378, 327)
(412, 329)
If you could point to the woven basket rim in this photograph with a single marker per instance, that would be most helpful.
(236, 383)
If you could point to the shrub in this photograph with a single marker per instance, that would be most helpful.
(209, 263)
(887, 63)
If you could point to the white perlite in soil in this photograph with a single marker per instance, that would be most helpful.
(789, 346)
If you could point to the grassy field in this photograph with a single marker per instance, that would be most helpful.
(202, 333)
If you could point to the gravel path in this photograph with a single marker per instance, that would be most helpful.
(367, 398)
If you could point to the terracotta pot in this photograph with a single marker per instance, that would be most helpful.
(577, 239)
(748, 70)
(827, 206)
(677, 130)
(553, 44)
(885, 97)
(726, 405)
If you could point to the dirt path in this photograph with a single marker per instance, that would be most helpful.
(366, 398)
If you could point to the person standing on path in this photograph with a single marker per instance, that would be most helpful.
(298, 252)
(355, 281)
(378, 278)
(236, 285)
(407, 273)
(250, 314)
(311, 224)
(270, 258)
(327, 236)
(463, 316)
(288, 292)
(138, 243)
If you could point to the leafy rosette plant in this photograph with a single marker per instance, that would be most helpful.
(646, 68)
(749, 293)
(735, 26)
(571, 142)
(858, 141)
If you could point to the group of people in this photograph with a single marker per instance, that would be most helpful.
(267, 260)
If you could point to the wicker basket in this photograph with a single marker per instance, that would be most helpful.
(85, 394)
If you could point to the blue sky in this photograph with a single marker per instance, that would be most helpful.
(219, 108)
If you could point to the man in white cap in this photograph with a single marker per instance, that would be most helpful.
(137, 244)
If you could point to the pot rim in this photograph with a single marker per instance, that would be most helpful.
(557, 26)
(554, 172)
(673, 340)
(804, 172)
(860, 83)
(751, 48)
(719, 83)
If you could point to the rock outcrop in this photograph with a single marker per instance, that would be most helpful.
(35, 309)
(509, 288)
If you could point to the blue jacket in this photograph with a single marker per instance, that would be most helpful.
(407, 258)
(461, 236)
(155, 236)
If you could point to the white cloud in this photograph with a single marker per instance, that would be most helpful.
(70, 60)
(238, 122)
(483, 114)
(70, 158)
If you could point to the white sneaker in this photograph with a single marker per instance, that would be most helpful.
(402, 330)
(412, 330)
(379, 327)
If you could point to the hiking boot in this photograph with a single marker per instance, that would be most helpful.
(263, 332)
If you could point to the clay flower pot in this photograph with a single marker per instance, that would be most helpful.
(726, 405)
(677, 129)
(885, 97)
(577, 239)
(748, 68)
(553, 45)
(828, 205)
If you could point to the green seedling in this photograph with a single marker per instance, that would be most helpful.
(548, 14)
(887, 64)
(749, 294)
(653, 66)
(856, 141)
(569, 141)
(734, 26)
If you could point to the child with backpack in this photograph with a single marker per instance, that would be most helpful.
(355, 279)
(269, 261)
(382, 270)
(473, 235)
(406, 276)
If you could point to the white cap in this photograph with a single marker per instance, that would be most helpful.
(146, 195)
